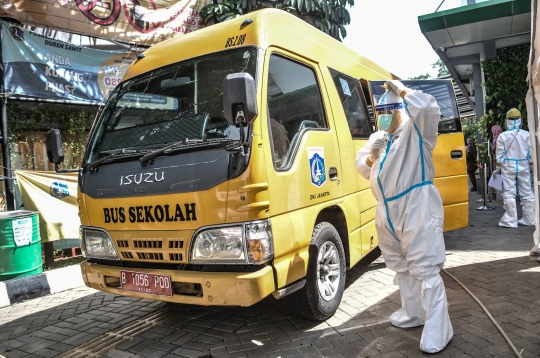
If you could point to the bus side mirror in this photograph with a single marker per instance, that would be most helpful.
(55, 153)
(239, 99)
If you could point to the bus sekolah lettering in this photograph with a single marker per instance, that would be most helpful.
(220, 176)
(150, 213)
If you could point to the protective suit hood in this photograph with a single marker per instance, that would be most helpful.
(513, 123)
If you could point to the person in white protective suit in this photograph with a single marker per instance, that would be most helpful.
(397, 160)
(514, 154)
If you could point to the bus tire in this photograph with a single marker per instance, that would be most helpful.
(319, 299)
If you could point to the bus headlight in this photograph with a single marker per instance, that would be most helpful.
(96, 243)
(221, 244)
(241, 244)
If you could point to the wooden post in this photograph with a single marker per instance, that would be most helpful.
(48, 249)
(8, 182)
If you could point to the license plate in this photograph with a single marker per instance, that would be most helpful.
(146, 283)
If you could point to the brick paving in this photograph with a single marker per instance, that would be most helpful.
(492, 262)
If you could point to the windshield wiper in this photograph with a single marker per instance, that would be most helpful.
(186, 142)
(120, 153)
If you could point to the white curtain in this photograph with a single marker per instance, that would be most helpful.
(533, 105)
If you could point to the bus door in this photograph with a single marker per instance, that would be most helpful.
(351, 104)
(449, 153)
(304, 166)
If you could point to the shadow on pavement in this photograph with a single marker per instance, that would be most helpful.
(492, 262)
(508, 288)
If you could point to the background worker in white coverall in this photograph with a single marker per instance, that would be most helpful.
(513, 153)
(409, 217)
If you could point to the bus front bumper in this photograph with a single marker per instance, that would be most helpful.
(189, 287)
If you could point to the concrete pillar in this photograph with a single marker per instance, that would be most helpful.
(479, 95)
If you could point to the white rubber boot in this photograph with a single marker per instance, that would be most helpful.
(528, 214)
(411, 314)
(437, 330)
(509, 218)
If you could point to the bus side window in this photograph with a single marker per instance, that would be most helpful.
(354, 104)
(294, 107)
(441, 90)
(365, 91)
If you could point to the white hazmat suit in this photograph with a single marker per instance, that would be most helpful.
(514, 154)
(409, 214)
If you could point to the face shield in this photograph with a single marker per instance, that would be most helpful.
(513, 123)
(389, 112)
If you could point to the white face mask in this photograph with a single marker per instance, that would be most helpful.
(384, 121)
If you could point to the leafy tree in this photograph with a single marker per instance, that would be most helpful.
(470, 128)
(329, 16)
(421, 77)
(506, 87)
(31, 120)
(442, 70)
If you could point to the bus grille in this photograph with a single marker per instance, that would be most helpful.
(143, 244)
(122, 243)
(176, 244)
(175, 257)
(171, 248)
(150, 256)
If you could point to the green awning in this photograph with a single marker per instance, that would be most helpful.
(484, 11)
(470, 34)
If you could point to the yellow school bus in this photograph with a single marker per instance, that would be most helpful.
(221, 169)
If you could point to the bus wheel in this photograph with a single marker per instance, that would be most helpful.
(325, 279)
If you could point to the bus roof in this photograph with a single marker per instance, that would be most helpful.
(264, 28)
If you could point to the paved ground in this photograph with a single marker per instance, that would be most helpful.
(491, 262)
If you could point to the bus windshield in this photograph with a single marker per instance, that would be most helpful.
(180, 102)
